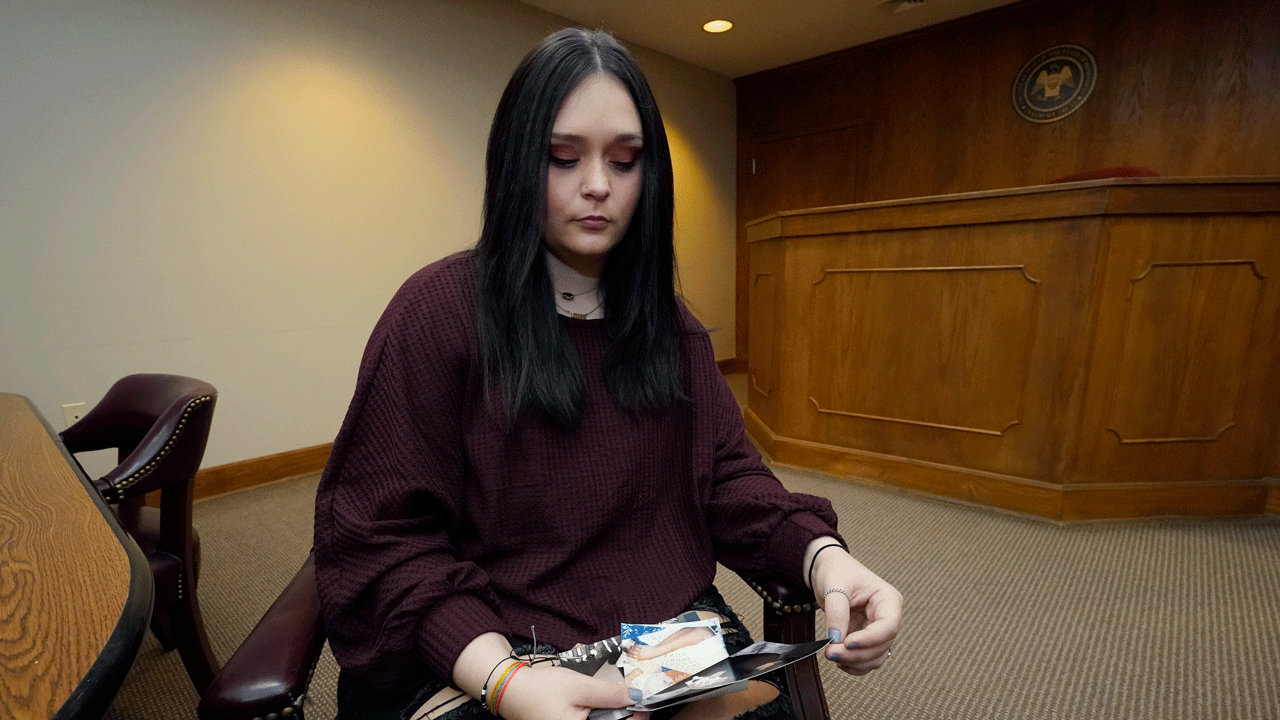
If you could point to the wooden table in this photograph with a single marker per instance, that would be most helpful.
(75, 590)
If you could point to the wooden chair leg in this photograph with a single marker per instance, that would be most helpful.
(163, 630)
(193, 643)
(808, 699)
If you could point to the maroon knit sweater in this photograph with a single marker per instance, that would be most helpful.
(434, 525)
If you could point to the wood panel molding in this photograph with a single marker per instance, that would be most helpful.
(1184, 364)
(1200, 312)
(947, 268)
(220, 479)
(1020, 495)
(920, 326)
(763, 367)
(1057, 502)
(905, 421)
(1087, 198)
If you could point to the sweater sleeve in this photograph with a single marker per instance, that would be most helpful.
(396, 599)
(757, 525)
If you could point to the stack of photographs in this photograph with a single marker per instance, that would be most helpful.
(608, 660)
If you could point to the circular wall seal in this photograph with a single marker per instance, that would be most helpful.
(1054, 83)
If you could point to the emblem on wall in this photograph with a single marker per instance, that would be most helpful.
(1054, 83)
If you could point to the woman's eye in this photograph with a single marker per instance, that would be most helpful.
(563, 162)
(625, 159)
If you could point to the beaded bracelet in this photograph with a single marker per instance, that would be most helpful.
(484, 691)
(814, 561)
(492, 703)
(504, 682)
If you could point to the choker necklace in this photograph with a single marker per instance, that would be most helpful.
(579, 316)
(570, 296)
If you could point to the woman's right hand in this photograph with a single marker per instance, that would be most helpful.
(542, 692)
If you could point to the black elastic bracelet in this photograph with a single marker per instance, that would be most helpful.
(814, 560)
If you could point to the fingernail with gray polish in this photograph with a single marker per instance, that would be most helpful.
(834, 635)
(853, 646)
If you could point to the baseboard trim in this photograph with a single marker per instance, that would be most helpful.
(1067, 502)
(1200, 498)
(729, 366)
(221, 479)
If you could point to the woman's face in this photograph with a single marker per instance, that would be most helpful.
(593, 174)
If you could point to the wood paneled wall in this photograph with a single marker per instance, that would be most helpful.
(1186, 87)
(1085, 350)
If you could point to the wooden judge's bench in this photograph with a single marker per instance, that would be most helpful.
(1100, 349)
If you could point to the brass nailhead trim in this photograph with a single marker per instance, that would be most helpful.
(287, 712)
(120, 487)
(777, 605)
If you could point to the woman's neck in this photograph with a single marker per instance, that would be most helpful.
(575, 294)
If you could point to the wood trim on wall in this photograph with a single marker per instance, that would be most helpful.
(729, 366)
(1062, 503)
(220, 479)
(1222, 498)
(1029, 497)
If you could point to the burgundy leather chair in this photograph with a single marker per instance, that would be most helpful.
(159, 425)
(267, 677)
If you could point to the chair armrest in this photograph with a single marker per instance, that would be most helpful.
(150, 454)
(780, 595)
(790, 617)
(788, 612)
(272, 668)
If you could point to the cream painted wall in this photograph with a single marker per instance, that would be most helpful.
(234, 190)
(694, 105)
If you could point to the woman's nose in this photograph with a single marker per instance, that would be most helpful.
(595, 180)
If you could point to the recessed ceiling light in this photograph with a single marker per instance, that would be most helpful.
(717, 26)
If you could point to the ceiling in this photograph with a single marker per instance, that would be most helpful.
(765, 34)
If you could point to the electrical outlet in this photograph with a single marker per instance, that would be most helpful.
(71, 412)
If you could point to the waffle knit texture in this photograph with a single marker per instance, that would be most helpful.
(435, 524)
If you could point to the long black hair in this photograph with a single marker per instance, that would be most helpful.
(525, 351)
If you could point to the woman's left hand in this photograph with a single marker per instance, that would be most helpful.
(865, 610)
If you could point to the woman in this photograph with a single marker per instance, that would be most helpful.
(540, 438)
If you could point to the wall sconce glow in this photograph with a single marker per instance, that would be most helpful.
(717, 26)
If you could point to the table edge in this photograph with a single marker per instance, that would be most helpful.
(96, 691)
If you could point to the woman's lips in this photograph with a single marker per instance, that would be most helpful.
(592, 222)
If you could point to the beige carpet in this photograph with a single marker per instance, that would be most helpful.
(1007, 617)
